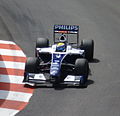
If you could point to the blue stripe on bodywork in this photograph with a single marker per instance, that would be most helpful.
(55, 68)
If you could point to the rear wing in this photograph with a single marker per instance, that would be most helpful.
(67, 30)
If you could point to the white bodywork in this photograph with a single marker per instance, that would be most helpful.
(70, 79)
(69, 50)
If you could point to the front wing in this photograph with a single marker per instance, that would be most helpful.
(33, 78)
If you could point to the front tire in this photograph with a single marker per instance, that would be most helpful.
(31, 65)
(82, 69)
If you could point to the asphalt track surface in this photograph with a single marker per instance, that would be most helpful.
(24, 20)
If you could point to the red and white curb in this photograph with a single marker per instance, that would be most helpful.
(13, 95)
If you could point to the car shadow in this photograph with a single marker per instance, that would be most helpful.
(95, 60)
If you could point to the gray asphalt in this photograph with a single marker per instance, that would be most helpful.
(24, 20)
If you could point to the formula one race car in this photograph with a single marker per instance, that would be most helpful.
(64, 62)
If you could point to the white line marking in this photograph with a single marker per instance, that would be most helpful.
(11, 79)
(11, 52)
(15, 96)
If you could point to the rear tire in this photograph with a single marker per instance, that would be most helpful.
(88, 46)
(42, 42)
(82, 69)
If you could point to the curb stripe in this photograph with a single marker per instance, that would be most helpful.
(10, 71)
(16, 96)
(11, 79)
(13, 65)
(12, 58)
(8, 112)
(16, 105)
(15, 87)
(7, 42)
(10, 46)
(11, 52)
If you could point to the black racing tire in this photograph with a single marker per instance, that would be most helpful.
(26, 79)
(88, 46)
(82, 68)
(31, 65)
(42, 42)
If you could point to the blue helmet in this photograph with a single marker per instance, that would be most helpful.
(60, 47)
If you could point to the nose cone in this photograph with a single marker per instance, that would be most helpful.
(53, 73)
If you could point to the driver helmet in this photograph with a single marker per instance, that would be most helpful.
(62, 38)
(60, 47)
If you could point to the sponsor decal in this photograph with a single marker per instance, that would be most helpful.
(56, 64)
(58, 55)
(66, 27)
(54, 72)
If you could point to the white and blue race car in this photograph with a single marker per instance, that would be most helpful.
(64, 62)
